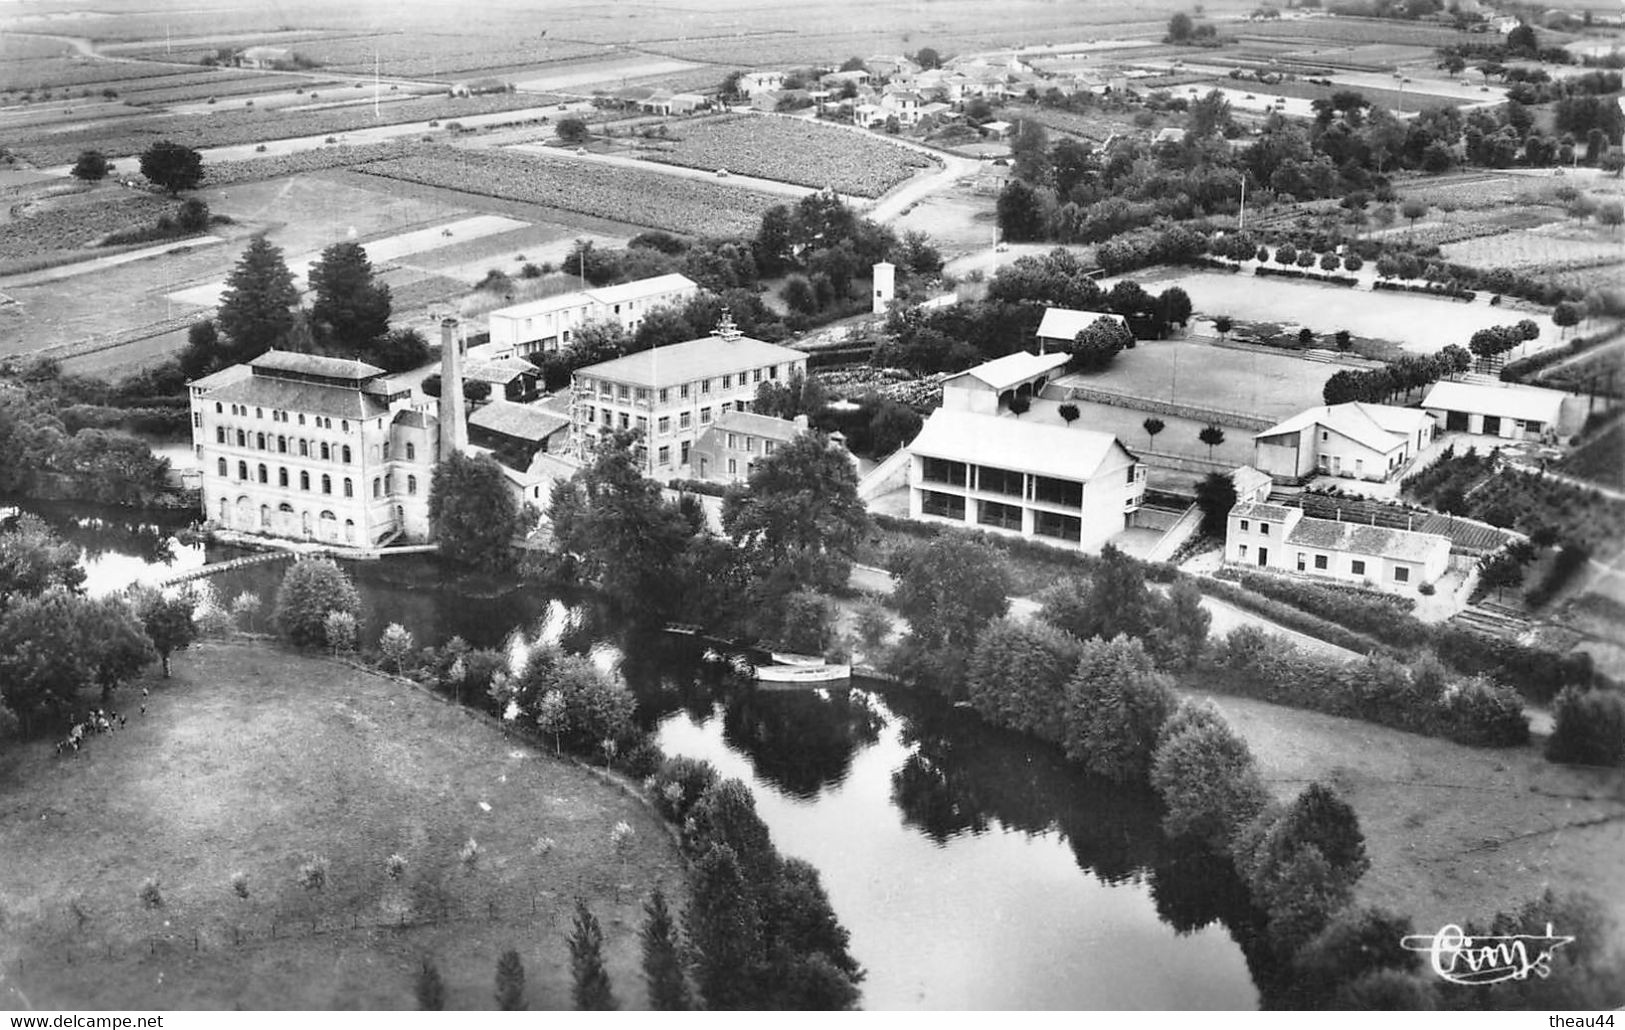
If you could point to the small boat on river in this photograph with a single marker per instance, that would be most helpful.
(802, 674)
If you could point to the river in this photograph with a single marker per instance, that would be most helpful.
(975, 868)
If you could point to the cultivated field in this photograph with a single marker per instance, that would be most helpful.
(789, 150)
(650, 199)
(57, 219)
(1551, 248)
(253, 760)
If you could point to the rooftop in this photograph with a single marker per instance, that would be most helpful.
(1012, 369)
(757, 425)
(314, 365)
(618, 294)
(1066, 324)
(1521, 402)
(1261, 511)
(1377, 426)
(696, 359)
(500, 370)
(1012, 443)
(309, 398)
(522, 421)
(1359, 538)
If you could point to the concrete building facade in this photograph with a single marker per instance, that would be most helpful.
(549, 324)
(1282, 539)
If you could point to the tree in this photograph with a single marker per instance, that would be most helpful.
(1344, 339)
(948, 589)
(167, 621)
(92, 166)
(400, 350)
(662, 965)
(118, 646)
(310, 589)
(45, 659)
(472, 513)
(256, 309)
(1069, 412)
(510, 987)
(1215, 495)
(1522, 41)
(172, 166)
(396, 646)
(1412, 210)
(1029, 152)
(1116, 702)
(590, 980)
(1566, 315)
(431, 990)
(1222, 325)
(33, 559)
(1152, 427)
(724, 931)
(800, 512)
(572, 129)
(1179, 28)
(1211, 435)
(1174, 305)
(1020, 212)
(927, 58)
(1018, 675)
(351, 311)
(1206, 776)
(1099, 342)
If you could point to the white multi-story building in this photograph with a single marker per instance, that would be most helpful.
(549, 324)
(673, 394)
(316, 448)
(1354, 440)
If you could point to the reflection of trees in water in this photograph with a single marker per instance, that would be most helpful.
(98, 530)
(797, 740)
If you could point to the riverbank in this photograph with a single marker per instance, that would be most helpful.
(258, 760)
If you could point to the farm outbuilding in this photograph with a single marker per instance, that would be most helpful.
(1509, 412)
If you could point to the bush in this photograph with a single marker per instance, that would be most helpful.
(239, 884)
(339, 629)
(1206, 776)
(151, 895)
(679, 784)
(310, 589)
(1116, 704)
(1018, 676)
(312, 875)
(1590, 728)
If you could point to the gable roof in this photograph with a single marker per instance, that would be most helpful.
(1377, 426)
(309, 398)
(314, 365)
(521, 421)
(781, 429)
(500, 371)
(695, 359)
(1066, 323)
(617, 294)
(1003, 373)
(1017, 444)
(1521, 402)
(1358, 538)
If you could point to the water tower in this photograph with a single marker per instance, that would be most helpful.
(885, 286)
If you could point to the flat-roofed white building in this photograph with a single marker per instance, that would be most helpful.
(1510, 412)
(673, 394)
(1360, 441)
(549, 324)
(1071, 487)
(1283, 539)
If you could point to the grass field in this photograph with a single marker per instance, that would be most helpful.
(254, 760)
(1195, 372)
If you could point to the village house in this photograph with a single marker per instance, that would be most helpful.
(1374, 442)
(902, 104)
(737, 440)
(673, 394)
(265, 57)
(752, 83)
(1282, 539)
(547, 325)
(1509, 412)
(511, 379)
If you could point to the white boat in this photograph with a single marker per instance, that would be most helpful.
(820, 673)
(795, 659)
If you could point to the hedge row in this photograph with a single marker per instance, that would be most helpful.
(1298, 273)
(1523, 368)
(1431, 289)
(1381, 616)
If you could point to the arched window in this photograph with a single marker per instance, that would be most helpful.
(242, 438)
(282, 478)
(389, 483)
(349, 487)
(259, 442)
(304, 447)
(242, 470)
(344, 425)
(222, 467)
(327, 453)
(412, 485)
(377, 487)
(411, 452)
(259, 412)
(304, 480)
(218, 410)
(301, 419)
(219, 434)
(327, 484)
(282, 445)
(346, 454)
(263, 476)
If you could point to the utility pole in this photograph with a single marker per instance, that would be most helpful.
(1241, 217)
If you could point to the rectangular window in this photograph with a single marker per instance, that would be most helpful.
(643, 425)
(1000, 481)
(664, 395)
(940, 470)
(197, 420)
(682, 391)
(705, 416)
(946, 505)
(642, 394)
(1303, 561)
(1320, 562)
(999, 516)
(773, 372)
(684, 420)
(1402, 574)
(626, 421)
(750, 444)
(682, 451)
(733, 442)
(1065, 492)
(592, 413)
(1263, 529)
(767, 446)
(1245, 525)
(705, 386)
(608, 416)
(1058, 526)
(728, 382)
(1357, 567)
(756, 376)
(663, 425)
(664, 455)
(733, 466)
(1241, 550)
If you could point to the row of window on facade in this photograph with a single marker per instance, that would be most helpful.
(380, 486)
(685, 420)
(1322, 562)
(1064, 492)
(1008, 517)
(621, 391)
(306, 448)
(241, 411)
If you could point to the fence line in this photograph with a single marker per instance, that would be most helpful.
(1198, 413)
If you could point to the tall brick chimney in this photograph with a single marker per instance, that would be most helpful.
(453, 418)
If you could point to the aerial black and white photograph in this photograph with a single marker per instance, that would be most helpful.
(919, 505)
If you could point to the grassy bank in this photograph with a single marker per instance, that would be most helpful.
(257, 760)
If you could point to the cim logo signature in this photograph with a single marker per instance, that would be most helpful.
(1461, 959)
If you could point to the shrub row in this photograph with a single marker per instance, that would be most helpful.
(698, 486)
(1570, 560)
(1523, 368)
(1298, 273)
(1431, 289)
(1382, 616)
(1420, 698)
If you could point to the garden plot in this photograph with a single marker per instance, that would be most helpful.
(1416, 323)
(578, 75)
(379, 252)
(1550, 248)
